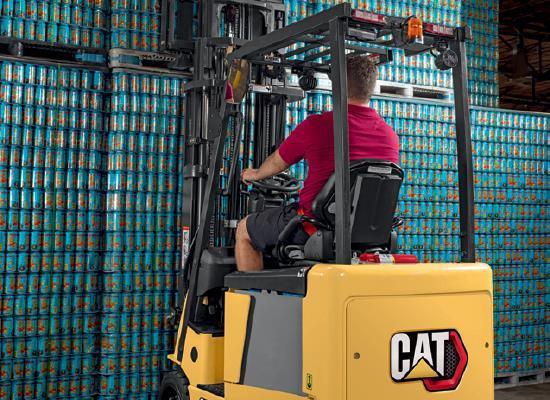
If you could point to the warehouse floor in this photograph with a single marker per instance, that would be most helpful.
(535, 392)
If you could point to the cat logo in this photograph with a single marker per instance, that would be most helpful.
(437, 358)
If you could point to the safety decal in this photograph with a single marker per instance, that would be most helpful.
(309, 381)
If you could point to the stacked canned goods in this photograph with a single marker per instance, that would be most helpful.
(51, 209)
(296, 113)
(141, 247)
(68, 22)
(429, 197)
(511, 162)
(481, 15)
(447, 12)
(135, 24)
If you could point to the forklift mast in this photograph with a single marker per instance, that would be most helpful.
(184, 20)
(213, 127)
(246, 19)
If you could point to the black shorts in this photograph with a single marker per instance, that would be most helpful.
(264, 227)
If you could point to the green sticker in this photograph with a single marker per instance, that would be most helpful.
(309, 381)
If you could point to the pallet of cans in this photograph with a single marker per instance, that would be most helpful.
(481, 15)
(142, 225)
(51, 229)
(135, 36)
(429, 195)
(135, 24)
(510, 157)
(76, 28)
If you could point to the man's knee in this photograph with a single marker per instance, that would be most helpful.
(242, 231)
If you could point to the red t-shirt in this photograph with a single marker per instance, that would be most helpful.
(313, 140)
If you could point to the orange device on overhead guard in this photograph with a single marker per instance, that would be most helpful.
(415, 31)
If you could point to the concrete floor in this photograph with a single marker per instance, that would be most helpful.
(534, 392)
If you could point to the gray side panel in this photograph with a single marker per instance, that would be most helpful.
(274, 353)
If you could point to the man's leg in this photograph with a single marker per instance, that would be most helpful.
(247, 257)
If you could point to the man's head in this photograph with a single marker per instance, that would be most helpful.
(362, 75)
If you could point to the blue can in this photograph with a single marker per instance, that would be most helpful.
(14, 198)
(87, 79)
(97, 38)
(52, 32)
(3, 248)
(35, 240)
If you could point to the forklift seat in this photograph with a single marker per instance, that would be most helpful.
(374, 191)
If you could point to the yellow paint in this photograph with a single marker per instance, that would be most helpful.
(422, 370)
(174, 356)
(237, 79)
(357, 308)
(208, 368)
(237, 307)
(199, 394)
(241, 392)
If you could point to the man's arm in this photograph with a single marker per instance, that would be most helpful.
(289, 153)
(273, 165)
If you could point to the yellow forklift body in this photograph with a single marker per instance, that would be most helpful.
(236, 322)
(207, 368)
(352, 312)
(368, 332)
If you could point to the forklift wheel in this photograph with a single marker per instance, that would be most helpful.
(173, 386)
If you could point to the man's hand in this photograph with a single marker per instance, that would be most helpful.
(249, 175)
(273, 165)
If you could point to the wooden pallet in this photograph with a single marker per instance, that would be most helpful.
(389, 89)
(514, 379)
(411, 91)
(52, 51)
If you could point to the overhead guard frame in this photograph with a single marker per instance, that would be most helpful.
(334, 28)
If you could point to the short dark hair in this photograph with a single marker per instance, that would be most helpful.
(362, 75)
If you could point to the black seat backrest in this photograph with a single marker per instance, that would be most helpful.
(374, 193)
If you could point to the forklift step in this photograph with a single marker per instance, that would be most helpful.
(509, 380)
(146, 61)
(217, 390)
(55, 52)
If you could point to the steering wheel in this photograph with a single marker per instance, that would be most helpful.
(282, 182)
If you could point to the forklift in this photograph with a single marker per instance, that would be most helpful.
(340, 317)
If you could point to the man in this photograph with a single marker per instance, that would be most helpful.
(313, 140)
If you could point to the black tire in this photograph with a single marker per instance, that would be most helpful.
(174, 386)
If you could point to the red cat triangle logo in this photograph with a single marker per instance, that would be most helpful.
(437, 358)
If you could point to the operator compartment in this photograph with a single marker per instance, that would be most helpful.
(399, 331)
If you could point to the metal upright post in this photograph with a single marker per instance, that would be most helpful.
(464, 151)
(338, 76)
